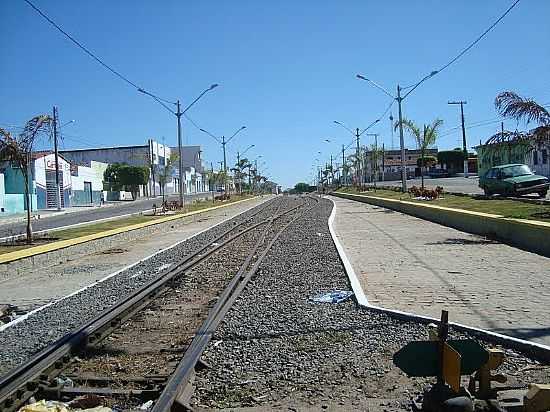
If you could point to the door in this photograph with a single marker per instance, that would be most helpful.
(51, 195)
(88, 192)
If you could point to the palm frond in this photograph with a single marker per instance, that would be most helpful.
(510, 104)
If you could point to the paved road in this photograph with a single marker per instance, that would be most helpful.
(85, 215)
(450, 184)
(417, 266)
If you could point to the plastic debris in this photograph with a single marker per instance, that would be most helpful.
(146, 406)
(63, 381)
(337, 296)
(55, 406)
(45, 406)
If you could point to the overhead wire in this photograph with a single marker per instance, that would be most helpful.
(481, 36)
(94, 56)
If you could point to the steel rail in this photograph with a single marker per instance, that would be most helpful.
(21, 383)
(177, 392)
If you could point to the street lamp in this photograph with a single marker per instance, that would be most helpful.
(178, 113)
(239, 165)
(399, 99)
(223, 142)
(357, 134)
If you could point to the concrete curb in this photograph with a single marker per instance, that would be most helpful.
(530, 235)
(26, 315)
(535, 350)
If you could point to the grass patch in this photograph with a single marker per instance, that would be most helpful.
(503, 207)
(94, 228)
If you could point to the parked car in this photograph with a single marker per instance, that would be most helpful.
(437, 173)
(513, 180)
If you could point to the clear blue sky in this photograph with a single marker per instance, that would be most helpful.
(286, 69)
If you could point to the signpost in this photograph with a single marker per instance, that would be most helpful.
(445, 359)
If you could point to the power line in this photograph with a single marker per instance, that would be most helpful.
(465, 50)
(94, 56)
(491, 27)
(81, 46)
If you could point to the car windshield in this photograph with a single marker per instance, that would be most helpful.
(513, 171)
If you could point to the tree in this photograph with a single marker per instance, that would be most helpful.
(424, 137)
(239, 172)
(19, 151)
(453, 159)
(428, 161)
(375, 154)
(303, 188)
(124, 177)
(165, 173)
(511, 105)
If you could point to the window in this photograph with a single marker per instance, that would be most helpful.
(544, 156)
(535, 157)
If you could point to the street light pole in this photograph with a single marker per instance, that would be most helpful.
(180, 154)
(57, 185)
(357, 173)
(223, 142)
(178, 113)
(402, 143)
(464, 147)
(399, 99)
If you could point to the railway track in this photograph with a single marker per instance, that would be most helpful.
(147, 346)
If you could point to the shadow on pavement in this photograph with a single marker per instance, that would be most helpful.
(525, 333)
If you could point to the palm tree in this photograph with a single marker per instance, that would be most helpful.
(424, 138)
(19, 151)
(512, 105)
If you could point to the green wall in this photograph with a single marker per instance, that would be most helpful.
(499, 154)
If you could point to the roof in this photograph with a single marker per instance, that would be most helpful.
(507, 165)
(105, 148)
(41, 154)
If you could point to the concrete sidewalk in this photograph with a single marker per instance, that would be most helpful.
(409, 264)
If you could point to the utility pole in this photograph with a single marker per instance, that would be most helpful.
(164, 171)
(402, 143)
(344, 172)
(391, 130)
(255, 173)
(464, 147)
(331, 171)
(180, 154)
(212, 181)
(57, 185)
(357, 157)
(383, 162)
(239, 171)
(224, 166)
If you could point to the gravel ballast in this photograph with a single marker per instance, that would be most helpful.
(276, 349)
(22, 340)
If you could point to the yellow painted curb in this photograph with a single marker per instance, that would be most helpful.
(454, 209)
(50, 247)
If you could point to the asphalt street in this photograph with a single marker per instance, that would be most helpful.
(90, 214)
(450, 184)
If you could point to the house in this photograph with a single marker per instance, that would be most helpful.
(80, 185)
(153, 155)
(536, 156)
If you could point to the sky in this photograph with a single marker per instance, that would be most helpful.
(286, 71)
